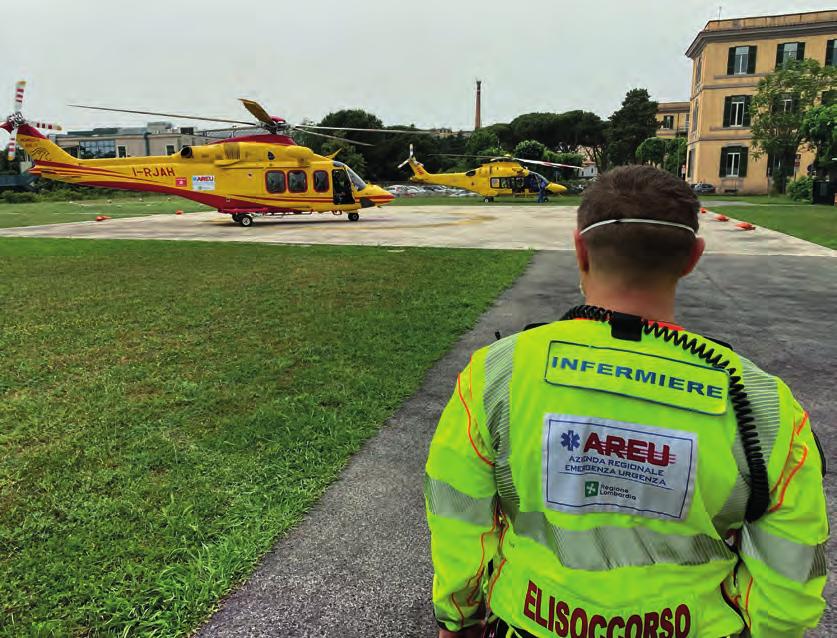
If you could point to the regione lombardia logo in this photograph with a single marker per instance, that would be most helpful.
(570, 440)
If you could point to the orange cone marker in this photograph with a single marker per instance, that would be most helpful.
(745, 226)
(721, 218)
(178, 212)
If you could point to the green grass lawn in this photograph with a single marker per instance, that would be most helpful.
(37, 213)
(168, 408)
(816, 224)
(748, 199)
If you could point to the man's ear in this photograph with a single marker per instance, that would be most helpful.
(697, 250)
(581, 255)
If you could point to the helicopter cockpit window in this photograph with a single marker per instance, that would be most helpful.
(504, 182)
(321, 181)
(356, 179)
(297, 181)
(275, 181)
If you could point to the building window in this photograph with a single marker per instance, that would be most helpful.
(733, 161)
(786, 103)
(121, 151)
(668, 122)
(789, 51)
(737, 110)
(698, 69)
(694, 116)
(741, 61)
(321, 181)
(831, 53)
(297, 181)
(829, 98)
(275, 181)
(169, 149)
(96, 149)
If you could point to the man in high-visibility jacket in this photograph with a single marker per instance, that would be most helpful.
(612, 475)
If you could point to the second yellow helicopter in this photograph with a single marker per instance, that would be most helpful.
(499, 176)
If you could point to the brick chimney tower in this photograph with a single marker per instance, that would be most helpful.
(477, 119)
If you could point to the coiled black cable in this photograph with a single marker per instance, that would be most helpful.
(759, 498)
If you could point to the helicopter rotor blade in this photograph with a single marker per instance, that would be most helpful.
(333, 137)
(545, 163)
(362, 130)
(17, 105)
(48, 127)
(180, 116)
(11, 150)
(257, 111)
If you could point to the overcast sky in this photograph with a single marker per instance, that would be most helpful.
(408, 62)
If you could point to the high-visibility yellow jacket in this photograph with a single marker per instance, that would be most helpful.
(605, 481)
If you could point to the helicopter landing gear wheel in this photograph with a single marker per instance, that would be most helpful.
(245, 220)
(353, 217)
(236, 218)
(488, 200)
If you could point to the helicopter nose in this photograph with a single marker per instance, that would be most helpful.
(556, 189)
(375, 196)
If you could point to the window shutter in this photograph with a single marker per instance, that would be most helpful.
(731, 61)
(780, 53)
(742, 171)
(800, 50)
(829, 52)
(747, 100)
(751, 60)
(727, 110)
(723, 170)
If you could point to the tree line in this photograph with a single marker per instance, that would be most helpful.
(558, 137)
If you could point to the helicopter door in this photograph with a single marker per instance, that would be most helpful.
(342, 187)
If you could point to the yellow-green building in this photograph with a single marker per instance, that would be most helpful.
(672, 119)
(729, 58)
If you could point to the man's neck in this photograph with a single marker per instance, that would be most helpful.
(653, 304)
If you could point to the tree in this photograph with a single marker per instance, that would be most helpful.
(667, 154)
(348, 155)
(571, 158)
(547, 128)
(597, 144)
(652, 151)
(675, 160)
(480, 141)
(777, 110)
(530, 149)
(819, 131)
(634, 122)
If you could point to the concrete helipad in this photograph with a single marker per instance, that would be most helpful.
(497, 226)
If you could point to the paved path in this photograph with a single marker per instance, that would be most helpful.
(538, 227)
(358, 565)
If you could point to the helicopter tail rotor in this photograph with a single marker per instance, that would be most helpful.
(411, 158)
(16, 119)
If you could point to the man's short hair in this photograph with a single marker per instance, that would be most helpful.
(639, 192)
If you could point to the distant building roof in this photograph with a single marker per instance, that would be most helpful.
(672, 107)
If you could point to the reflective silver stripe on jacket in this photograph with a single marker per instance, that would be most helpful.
(445, 500)
(763, 393)
(603, 548)
(499, 362)
(795, 561)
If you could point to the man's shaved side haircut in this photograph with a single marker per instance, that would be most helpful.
(639, 192)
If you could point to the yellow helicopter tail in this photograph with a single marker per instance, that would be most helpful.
(41, 149)
(417, 167)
